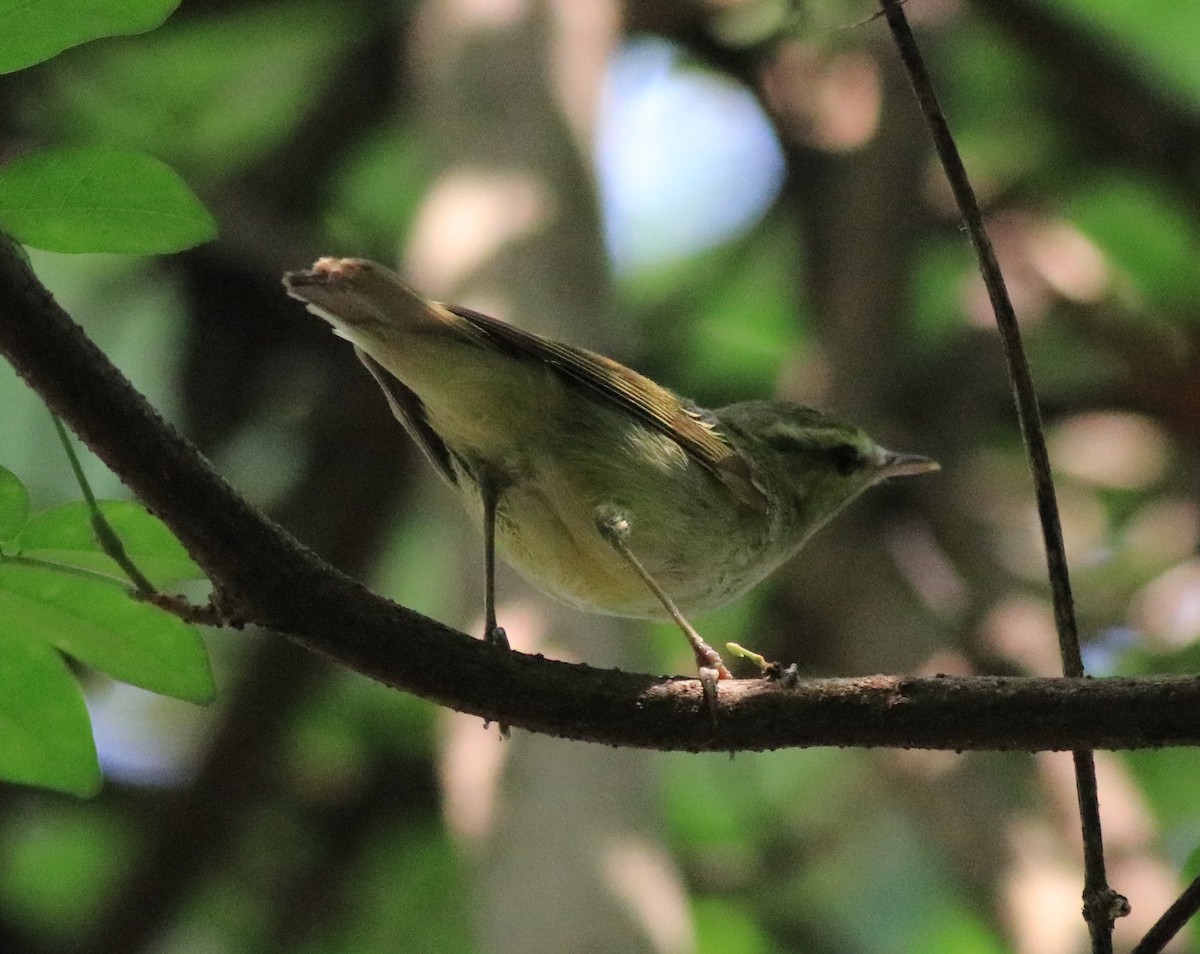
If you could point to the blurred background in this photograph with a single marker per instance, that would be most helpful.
(737, 198)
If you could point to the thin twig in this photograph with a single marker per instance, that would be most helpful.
(106, 536)
(1101, 903)
(1172, 921)
(206, 614)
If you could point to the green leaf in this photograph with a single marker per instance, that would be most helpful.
(64, 535)
(100, 625)
(45, 734)
(14, 505)
(35, 30)
(100, 199)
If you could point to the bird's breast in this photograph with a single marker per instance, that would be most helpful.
(699, 547)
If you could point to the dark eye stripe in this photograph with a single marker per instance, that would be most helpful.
(847, 459)
(843, 458)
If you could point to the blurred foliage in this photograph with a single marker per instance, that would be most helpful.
(1156, 35)
(310, 820)
(209, 95)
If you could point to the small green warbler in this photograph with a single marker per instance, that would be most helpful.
(604, 489)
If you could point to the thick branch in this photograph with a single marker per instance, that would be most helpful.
(263, 575)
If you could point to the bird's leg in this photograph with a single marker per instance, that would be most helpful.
(490, 493)
(614, 528)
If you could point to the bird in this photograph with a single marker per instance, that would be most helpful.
(605, 489)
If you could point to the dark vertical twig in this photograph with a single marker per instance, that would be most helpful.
(1101, 905)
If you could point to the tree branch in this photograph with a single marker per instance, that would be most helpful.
(263, 575)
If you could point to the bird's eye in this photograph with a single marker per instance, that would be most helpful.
(846, 459)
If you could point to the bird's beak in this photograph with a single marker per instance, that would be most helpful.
(906, 465)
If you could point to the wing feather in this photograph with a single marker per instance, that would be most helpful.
(694, 429)
(408, 409)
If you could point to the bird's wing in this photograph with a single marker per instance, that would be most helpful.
(662, 410)
(409, 410)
